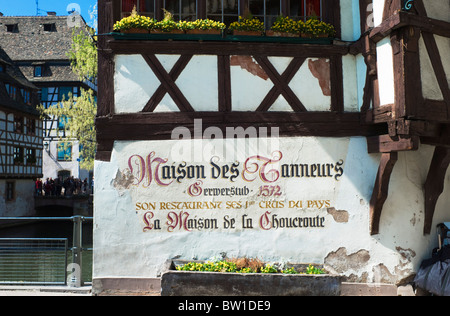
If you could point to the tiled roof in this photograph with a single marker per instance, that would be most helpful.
(30, 41)
(39, 39)
(14, 76)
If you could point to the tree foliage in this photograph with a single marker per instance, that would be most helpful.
(79, 112)
(83, 54)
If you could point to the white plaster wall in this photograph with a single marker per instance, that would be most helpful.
(135, 83)
(122, 249)
(198, 83)
(385, 69)
(350, 20)
(308, 90)
(51, 165)
(349, 73)
(23, 204)
(430, 86)
(378, 7)
(361, 70)
(438, 9)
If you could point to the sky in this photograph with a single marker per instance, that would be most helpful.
(28, 8)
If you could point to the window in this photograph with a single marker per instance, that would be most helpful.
(31, 126)
(64, 151)
(305, 9)
(62, 121)
(181, 9)
(11, 90)
(18, 124)
(38, 71)
(12, 28)
(143, 7)
(227, 11)
(50, 27)
(26, 95)
(2, 67)
(223, 11)
(266, 10)
(10, 191)
(31, 156)
(18, 155)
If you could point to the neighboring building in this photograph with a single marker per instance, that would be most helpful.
(38, 45)
(21, 141)
(354, 181)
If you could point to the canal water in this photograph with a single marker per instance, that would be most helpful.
(43, 261)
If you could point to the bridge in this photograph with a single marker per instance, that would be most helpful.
(81, 204)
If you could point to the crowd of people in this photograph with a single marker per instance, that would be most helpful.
(59, 187)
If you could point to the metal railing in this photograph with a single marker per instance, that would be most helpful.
(34, 257)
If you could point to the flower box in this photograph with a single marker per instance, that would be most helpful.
(281, 34)
(204, 32)
(156, 31)
(135, 31)
(186, 283)
(194, 283)
(246, 33)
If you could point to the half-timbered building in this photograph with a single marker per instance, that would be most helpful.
(21, 141)
(39, 46)
(356, 180)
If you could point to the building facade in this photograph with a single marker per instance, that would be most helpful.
(307, 152)
(38, 45)
(21, 141)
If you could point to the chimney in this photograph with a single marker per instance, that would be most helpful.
(51, 13)
(1, 14)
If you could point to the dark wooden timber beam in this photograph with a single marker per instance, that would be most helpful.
(434, 185)
(387, 144)
(381, 189)
(225, 48)
(402, 19)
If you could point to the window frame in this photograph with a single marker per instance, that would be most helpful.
(12, 28)
(10, 191)
(201, 10)
(31, 156)
(64, 157)
(36, 73)
(18, 156)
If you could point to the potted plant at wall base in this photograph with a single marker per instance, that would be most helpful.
(285, 27)
(313, 28)
(135, 24)
(167, 25)
(206, 27)
(248, 26)
(243, 276)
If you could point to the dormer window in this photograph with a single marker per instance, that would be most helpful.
(12, 28)
(38, 70)
(51, 27)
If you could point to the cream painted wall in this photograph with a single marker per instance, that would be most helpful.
(120, 241)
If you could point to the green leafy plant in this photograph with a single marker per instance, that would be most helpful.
(314, 270)
(287, 25)
(135, 21)
(201, 24)
(269, 268)
(243, 265)
(167, 24)
(247, 24)
(315, 28)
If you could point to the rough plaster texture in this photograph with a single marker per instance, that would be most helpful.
(123, 249)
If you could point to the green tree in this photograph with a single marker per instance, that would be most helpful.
(79, 113)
